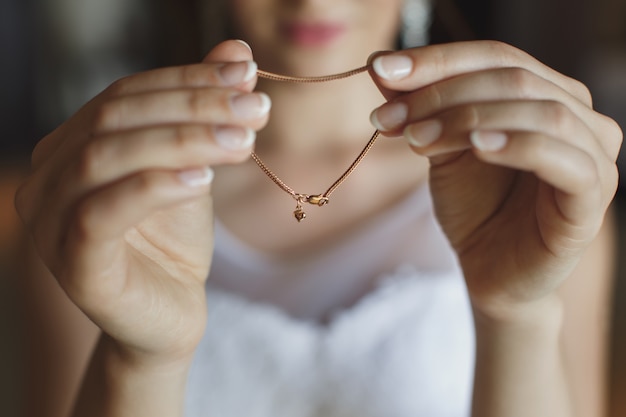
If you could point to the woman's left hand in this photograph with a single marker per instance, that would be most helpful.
(522, 168)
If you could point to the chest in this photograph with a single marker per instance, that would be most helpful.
(316, 284)
(406, 349)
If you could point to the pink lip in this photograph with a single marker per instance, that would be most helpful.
(312, 34)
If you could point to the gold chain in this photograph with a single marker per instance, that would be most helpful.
(316, 199)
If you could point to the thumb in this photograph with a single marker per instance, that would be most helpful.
(386, 92)
(232, 51)
(229, 51)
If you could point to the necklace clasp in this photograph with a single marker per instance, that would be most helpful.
(319, 200)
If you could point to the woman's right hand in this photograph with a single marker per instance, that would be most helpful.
(119, 205)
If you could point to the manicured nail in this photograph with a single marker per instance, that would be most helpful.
(389, 116)
(234, 138)
(234, 73)
(244, 43)
(488, 140)
(423, 133)
(196, 177)
(251, 106)
(393, 67)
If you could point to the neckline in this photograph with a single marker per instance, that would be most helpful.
(401, 282)
(361, 262)
(248, 256)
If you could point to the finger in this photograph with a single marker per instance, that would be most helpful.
(50, 221)
(410, 69)
(94, 230)
(487, 85)
(155, 110)
(449, 131)
(493, 85)
(235, 67)
(111, 157)
(229, 50)
(224, 74)
(232, 50)
(388, 93)
(110, 211)
(228, 64)
(208, 105)
(44, 149)
(581, 192)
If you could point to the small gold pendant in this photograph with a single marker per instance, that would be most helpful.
(299, 214)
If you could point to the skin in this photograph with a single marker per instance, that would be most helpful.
(126, 236)
(369, 26)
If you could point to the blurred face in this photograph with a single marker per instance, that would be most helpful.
(315, 37)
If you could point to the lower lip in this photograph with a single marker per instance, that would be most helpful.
(312, 35)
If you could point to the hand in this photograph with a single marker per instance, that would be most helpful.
(119, 204)
(522, 167)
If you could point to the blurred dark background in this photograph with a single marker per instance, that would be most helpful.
(56, 54)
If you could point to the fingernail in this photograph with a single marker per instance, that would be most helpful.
(392, 67)
(244, 43)
(488, 141)
(389, 116)
(196, 177)
(234, 138)
(423, 133)
(251, 106)
(237, 72)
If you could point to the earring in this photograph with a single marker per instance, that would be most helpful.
(416, 19)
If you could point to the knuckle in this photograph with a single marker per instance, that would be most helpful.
(506, 53)
(615, 130)
(439, 60)
(559, 115)
(120, 86)
(83, 221)
(197, 103)
(581, 91)
(523, 81)
(497, 45)
(106, 116)
(467, 117)
(196, 75)
(588, 174)
(614, 187)
(146, 185)
(612, 179)
(532, 148)
(186, 138)
(434, 96)
(585, 171)
(90, 161)
(613, 138)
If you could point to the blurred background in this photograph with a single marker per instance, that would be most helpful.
(56, 54)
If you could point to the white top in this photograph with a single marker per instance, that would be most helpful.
(406, 348)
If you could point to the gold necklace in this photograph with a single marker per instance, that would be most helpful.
(314, 199)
